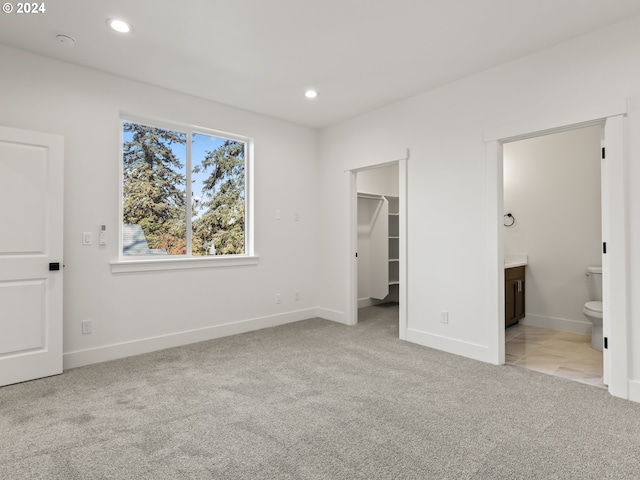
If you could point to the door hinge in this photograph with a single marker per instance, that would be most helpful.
(606, 342)
(356, 254)
(604, 247)
(603, 152)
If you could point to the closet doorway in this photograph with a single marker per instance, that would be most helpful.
(378, 242)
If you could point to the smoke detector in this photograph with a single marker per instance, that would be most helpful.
(65, 40)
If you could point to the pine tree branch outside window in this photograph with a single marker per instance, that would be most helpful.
(183, 192)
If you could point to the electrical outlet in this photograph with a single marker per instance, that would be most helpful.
(444, 316)
(87, 327)
(278, 298)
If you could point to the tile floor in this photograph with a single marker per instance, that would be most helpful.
(563, 354)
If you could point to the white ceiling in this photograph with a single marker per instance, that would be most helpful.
(261, 55)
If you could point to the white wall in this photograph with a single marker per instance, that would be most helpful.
(381, 181)
(552, 187)
(144, 311)
(448, 208)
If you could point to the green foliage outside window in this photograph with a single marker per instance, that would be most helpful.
(155, 192)
(220, 213)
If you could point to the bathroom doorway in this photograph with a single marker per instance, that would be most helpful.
(552, 205)
(377, 283)
(614, 231)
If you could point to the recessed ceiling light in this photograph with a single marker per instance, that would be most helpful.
(311, 94)
(119, 25)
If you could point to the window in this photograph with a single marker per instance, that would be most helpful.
(184, 192)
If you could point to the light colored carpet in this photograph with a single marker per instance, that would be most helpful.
(314, 400)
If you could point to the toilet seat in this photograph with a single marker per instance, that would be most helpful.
(593, 309)
(594, 306)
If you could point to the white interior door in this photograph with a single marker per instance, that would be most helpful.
(606, 331)
(373, 246)
(615, 261)
(31, 205)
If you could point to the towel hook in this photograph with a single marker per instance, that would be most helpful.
(506, 218)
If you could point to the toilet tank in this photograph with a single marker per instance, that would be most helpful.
(594, 283)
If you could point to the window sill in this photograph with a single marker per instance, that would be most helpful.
(183, 263)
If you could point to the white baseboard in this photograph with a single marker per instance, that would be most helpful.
(145, 345)
(332, 315)
(634, 390)
(369, 302)
(450, 345)
(563, 324)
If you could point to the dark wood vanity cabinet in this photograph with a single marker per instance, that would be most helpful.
(513, 295)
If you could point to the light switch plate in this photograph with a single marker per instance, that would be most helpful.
(103, 234)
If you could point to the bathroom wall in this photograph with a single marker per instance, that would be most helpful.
(552, 188)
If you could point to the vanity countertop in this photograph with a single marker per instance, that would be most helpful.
(511, 261)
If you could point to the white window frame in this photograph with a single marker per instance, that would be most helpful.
(125, 264)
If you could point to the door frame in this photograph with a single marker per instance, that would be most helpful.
(614, 232)
(352, 238)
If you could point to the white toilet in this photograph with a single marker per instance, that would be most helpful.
(593, 308)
